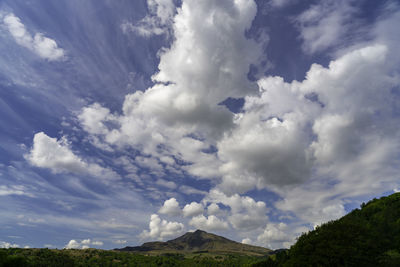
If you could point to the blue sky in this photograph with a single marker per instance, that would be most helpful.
(128, 121)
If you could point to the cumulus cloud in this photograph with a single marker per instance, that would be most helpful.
(210, 223)
(73, 244)
(331, 137)
(42, 46)
(93, 118)
(8, 245)
(315, 203)
(170, 207)
(204, 66)
(160, 229)
(193, 209)
(246, 214)
(213, 209)
(83, 244)
(335, 127)
(355, 141)
(56, 155)
(158, 21)
(247, 241)
(276, 236)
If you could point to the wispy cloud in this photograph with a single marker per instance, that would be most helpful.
(328, 24)
(18, 190)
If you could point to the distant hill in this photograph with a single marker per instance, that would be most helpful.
(369, 236)
(199, 242)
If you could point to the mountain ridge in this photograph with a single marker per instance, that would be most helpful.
(198, 241)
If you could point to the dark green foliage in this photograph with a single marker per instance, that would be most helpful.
(94, 257)
(366, 237)
(10, 260)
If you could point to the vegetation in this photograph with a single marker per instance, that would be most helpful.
(16, 257)
(369, 236)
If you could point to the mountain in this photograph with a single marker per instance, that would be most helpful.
(199, 242)
(369, 236)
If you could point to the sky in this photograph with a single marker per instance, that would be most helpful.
(123, 122)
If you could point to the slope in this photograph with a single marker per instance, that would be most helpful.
(199, 242)
(369, 236)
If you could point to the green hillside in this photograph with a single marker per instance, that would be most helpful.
(369, 236)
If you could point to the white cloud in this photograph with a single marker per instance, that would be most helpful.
(83, 244)
(170, 207)
(193, 209)
(276, 236)
(56, 155)
(345, 136)
(93, 117)
(148, 162)
(8, 245)
(247, 241)
(245, 213)
(73, 244)
(314, 204)
(327, 24)
(188, 190)
(160, 229)
(158, 21)
(43, 46)
(168, 184)
(18, 190)
(213, 209)
(97, 243)
(331, 137)
(210, 223)
(204, 66)
(273, 149)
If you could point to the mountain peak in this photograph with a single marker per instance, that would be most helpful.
(199, 241)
